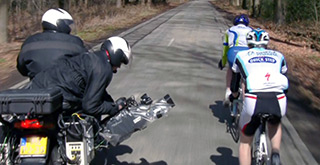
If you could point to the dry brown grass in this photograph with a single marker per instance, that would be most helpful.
(114, 19)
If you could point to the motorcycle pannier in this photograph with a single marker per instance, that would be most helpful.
(36, 101)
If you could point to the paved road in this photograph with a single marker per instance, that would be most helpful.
(176, 53)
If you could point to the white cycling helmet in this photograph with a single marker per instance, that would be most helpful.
(258, 38)
(58, 20)
(118, 51)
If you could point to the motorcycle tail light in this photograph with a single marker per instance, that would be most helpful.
(29, 124)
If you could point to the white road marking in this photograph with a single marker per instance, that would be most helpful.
(171, 41)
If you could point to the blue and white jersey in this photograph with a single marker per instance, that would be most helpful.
(236, 36)
(262, 69)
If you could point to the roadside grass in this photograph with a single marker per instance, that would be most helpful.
(101, 26)
(2, 60)
(315, 58)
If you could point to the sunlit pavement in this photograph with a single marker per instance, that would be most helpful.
(177, 53)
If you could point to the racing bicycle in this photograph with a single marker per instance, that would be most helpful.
(235, 111)
(260, 149)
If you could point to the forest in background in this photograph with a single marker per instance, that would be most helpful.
(298, 19)
(21, 18)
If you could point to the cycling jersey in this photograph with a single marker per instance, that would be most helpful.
(263, 73)
(262, 69)
(234, 37)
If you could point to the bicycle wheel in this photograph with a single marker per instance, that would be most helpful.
(236, 110)
(255, 149)
(259, 148)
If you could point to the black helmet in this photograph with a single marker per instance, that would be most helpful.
(118, 50)
(58, 20)
(241, 19)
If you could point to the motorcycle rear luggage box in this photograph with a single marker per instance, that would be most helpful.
(37, 101)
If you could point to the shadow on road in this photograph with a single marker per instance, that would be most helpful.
(225, 157)
(113, 152)
(223, 114)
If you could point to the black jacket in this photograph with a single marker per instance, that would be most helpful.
(40, 50)
(83, 80)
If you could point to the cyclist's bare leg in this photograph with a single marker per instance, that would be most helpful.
(275, 133)
(228, 83)
(245, 149)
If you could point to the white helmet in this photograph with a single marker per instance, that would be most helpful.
(58, 20)
(257, 38)
(118, 50)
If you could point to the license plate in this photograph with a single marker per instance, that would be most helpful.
(33, 146)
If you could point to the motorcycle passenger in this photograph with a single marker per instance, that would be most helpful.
(40, 50)
(263, 73)
(83, 79)
(234, 41)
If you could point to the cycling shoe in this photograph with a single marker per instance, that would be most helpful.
(275, 159)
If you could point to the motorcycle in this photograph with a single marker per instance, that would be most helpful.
(35, 130)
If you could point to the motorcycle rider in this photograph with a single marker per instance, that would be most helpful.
(40, 50)
(234, 41)
(263, 73)
(83, 79)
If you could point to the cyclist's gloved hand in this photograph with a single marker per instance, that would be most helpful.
(121, 102)
(231, 97)
(220, 65)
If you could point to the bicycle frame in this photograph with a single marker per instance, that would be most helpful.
(260, 153)
(234, 108)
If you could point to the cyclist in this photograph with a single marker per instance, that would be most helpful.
(234, 41)
(40, 50)
(263, 73)
(83, 79)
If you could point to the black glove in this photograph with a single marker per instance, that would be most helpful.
(220, 65)
(231, 97)
(121, 101)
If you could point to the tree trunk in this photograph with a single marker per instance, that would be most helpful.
(149, 3)
(235, 2)
(118, 3)
(316, 6)
(244, 4)
(86, 3)
(143, 2)
(3, 20)
(279, 11)
(256, 8)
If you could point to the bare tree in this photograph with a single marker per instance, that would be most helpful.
(235, 2)
(256, 8)
(149, 3)
(316, 7)
(244, 4)
(279, 12)
(118, 3)
(3, 20)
